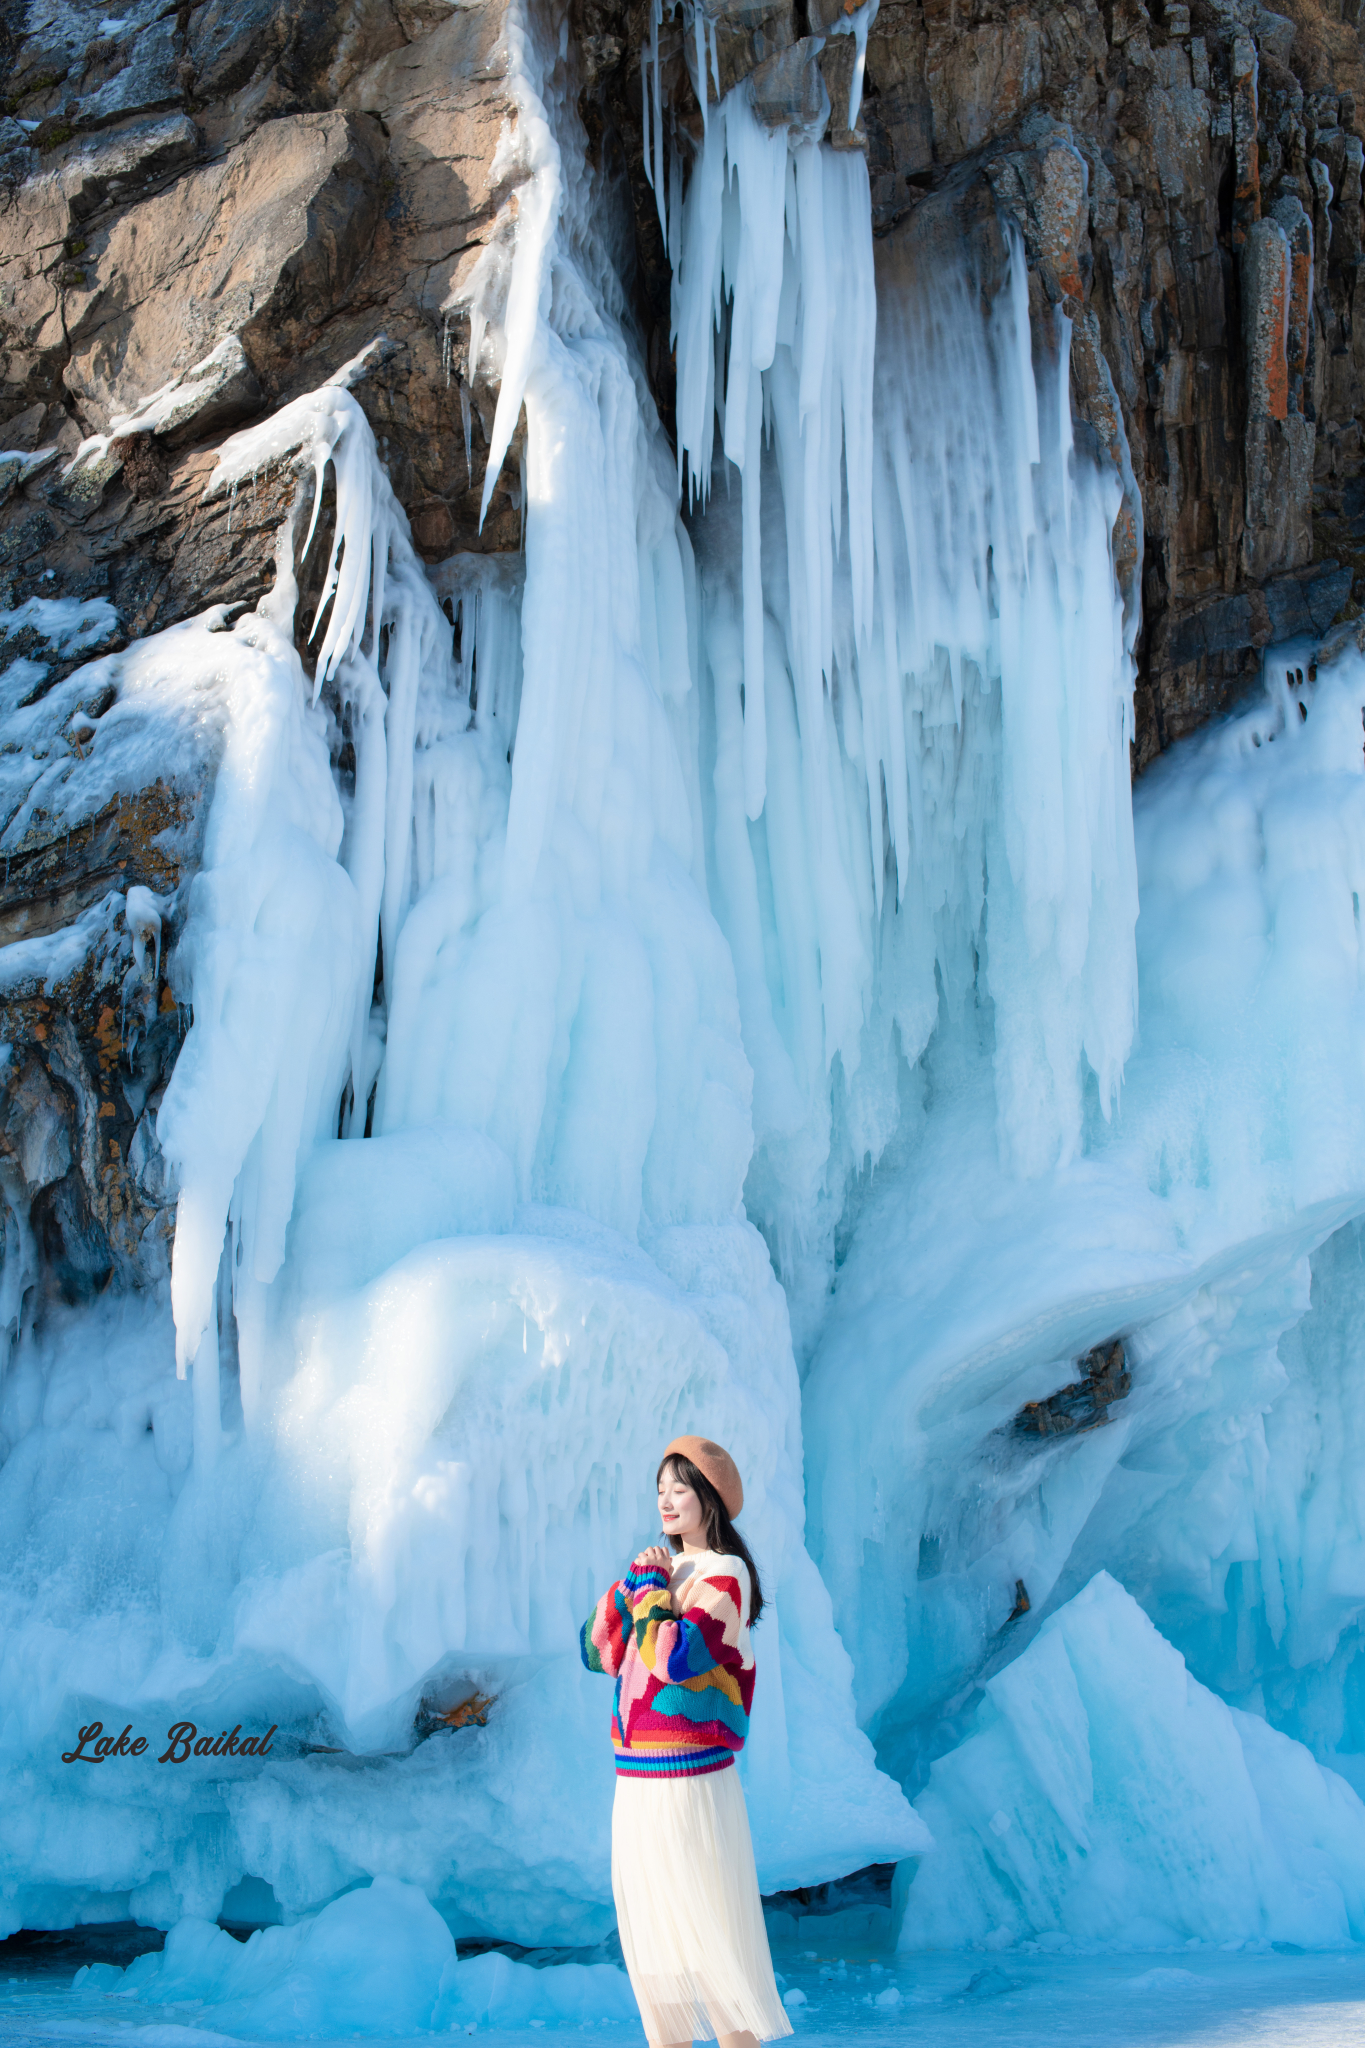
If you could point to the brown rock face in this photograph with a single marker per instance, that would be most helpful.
(87, 1058)
(235, 201)
(254, 245)
(1187, 181)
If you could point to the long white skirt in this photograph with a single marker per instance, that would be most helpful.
(687, 1905)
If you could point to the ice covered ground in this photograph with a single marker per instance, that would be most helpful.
(1160, 2000)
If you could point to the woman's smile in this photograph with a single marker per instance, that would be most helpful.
(680, 1511)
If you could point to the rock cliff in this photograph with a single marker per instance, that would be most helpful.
(206, 210)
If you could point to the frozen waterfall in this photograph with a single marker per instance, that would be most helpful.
(712, 994)
(918, 682)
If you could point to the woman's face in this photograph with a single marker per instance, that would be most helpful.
(679, 1509)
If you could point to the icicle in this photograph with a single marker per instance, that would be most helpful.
(699, 36)
(365, 853)
(208, 1428)
(857, 25)
(660, 193)
(646, 117)
(1062, 403)
(531, 228)
(652, 116)
(142, 913)
(862, 22)
(695, 298)
(675, 209)
(755, 711)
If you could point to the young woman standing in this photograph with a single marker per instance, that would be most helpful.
(675, 1635)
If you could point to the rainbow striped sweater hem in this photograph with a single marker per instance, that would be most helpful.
(685, 1679)
(671, 1763)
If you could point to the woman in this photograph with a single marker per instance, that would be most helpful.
(675, 1635)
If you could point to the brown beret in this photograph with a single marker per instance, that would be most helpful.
(715, 1462)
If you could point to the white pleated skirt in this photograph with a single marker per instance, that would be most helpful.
(687, 1905)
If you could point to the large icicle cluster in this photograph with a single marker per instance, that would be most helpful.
(920, 675)
(277, 958)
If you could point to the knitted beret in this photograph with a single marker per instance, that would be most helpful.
(716, 1464)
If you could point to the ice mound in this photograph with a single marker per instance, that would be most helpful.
(377, 1961)
(492, 1990)
(1106, 1795)
(448, 1462)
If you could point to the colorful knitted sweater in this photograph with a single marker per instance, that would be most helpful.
(685, 1680)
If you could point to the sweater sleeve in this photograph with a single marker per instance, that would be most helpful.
(707, 1634)
(604, 1635)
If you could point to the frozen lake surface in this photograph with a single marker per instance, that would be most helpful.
(1165, 2000)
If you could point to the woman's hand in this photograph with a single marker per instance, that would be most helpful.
(656, 1558)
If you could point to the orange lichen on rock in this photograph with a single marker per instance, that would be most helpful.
(472, 1712)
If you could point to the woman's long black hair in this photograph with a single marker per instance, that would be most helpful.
(720, 1532)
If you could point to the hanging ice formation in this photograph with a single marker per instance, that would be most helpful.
(919, 673)
(741, 847)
